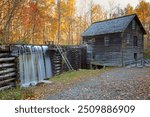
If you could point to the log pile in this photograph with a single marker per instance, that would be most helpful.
(56, 61)
(75, 54)
(8, 68)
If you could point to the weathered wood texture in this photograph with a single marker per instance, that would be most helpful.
(129, 49)
(56, 61)
(75, 54)
(121, 49)
(105, 55)
(8, 68)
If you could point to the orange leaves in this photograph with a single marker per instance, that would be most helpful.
(31, 15)
(143, 10)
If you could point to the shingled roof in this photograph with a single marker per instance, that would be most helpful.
(115, 25)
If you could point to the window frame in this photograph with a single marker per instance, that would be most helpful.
(106, 41)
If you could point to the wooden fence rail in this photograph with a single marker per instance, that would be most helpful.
(8, 68)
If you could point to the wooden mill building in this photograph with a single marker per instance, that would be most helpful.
(115, 42)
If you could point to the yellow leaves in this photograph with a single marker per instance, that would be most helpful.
(143, 10)
(39, 20)
(98, 13)
(129, 9)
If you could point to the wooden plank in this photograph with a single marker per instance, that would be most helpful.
(57, 68)
(7, 75)
(7, 81)
(4, 54)
(7, 71)
(7, 59)
(7, 65)
(6, 87)
(4, 48)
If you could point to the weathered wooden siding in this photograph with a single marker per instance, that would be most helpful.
(105, 55)
(123, 47)
(128, 49)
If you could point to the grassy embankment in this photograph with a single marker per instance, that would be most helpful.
(59, 83)
(147, 54)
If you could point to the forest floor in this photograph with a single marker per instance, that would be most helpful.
(115, 84)
(56, 84)
(63, 82)
(104, 84)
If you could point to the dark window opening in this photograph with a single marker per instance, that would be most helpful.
(93, 56)
(135, 41)
(135, 56)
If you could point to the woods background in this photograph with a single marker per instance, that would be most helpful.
(38, 21)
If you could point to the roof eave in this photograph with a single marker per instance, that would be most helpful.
(101, 34)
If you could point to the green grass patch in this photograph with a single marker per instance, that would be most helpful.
(75, 75)
(16, 94)
(147, 54)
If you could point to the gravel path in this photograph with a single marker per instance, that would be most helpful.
(119, 83)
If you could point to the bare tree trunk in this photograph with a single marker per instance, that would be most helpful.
(6, 26)
(33, 32)
(91, 11)
(59, 20)
(112, 8)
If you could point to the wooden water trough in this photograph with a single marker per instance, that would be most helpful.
(8, 68)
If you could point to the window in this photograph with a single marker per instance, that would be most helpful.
(135, 41)
(91, 40)
(93, 56)
(135, 56)
(133, 24)
(106, 41)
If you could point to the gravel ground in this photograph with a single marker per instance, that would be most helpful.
(117, 84)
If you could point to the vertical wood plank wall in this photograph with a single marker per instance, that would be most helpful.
(119, 51)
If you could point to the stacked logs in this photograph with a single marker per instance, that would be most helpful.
(56, 61)
(8, 68)
(75, 54)
(84, 58)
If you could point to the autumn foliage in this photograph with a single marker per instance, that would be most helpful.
(36, 21)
